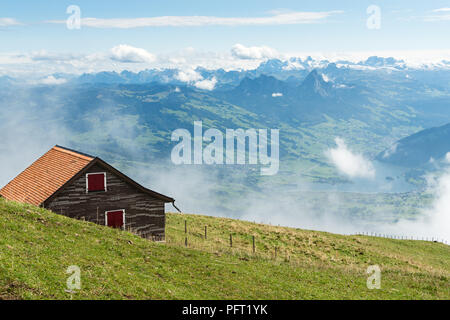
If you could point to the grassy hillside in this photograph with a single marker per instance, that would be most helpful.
(37, 246)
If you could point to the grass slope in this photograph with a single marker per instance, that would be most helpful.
(37, 246)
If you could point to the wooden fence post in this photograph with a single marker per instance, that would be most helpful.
(231, 241)
(205, 233)
(253, 237)
(185, 233)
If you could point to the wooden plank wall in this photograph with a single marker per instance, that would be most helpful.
(143, 214)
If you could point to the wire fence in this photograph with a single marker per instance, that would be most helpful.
(221, 240)
(402, 237)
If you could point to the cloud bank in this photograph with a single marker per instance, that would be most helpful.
(42, 63)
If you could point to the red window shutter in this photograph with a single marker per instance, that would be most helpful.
(115, 219)
(96, 182)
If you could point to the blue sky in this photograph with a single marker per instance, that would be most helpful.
(402, 26)
(328, 26)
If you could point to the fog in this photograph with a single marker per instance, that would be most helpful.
(195, 189)
(434, 221)
(23, 135)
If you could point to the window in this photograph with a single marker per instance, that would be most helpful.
(115, 218)
(96, 182)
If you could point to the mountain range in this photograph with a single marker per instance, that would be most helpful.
(292, 69)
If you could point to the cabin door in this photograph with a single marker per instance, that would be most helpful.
(115, 218)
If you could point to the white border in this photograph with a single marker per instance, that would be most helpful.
(87, 184)
(123, 216)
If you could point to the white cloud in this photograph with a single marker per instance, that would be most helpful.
(436, 18)
(351, 164)
(206, 84)
(441, 14)
(196, 21)
(8, 22)
(194, 78)
(188, 75)
(243, 52)
(51, 80)
(126, 53)
(277, 94)
(44, 55)
(447, 157)
(442, 10)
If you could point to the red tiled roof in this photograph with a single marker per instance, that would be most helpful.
(45, 176)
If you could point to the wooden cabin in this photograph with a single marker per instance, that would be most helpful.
(84, 187)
